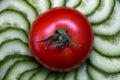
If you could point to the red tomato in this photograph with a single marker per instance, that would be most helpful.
(61, 53)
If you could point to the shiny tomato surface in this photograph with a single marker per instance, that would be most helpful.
(66, 57)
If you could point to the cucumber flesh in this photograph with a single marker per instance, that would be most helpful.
(106, 64)
(13, 33)
(60, 76)
(51, 76)
(96, 74)
(27, 74)
(9, 61)
(111, 26)
(103, 12)
(70, 75)
(73, 3)
(41, 74)
(41, 5)
(20, 5)
(18, 68)
(88, 7)
(57, 3)
(82, 72)
(8, 19)
(13, 46)
(108, 45)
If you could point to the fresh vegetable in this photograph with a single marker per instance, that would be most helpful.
(20, 67)
(20, 5)
(16, 17)
(61, 39)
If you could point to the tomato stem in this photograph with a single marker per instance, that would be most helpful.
(60, 39)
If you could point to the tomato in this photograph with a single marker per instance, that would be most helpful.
(61, 39)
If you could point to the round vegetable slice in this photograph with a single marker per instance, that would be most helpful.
(111, 26)
(106, 64)
(103, 12)
(8, 19)
(108, 45)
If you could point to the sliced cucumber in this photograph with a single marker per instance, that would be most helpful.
(82, 72)
(108, 45)
(60, 76)
(106, 64)
(8, 19)
(27, 74)
(95, 74)
(12, 46)
(41, 5)
(70, 75)
(51, 76)
(103, 12)
(57, 3)
(8, 61)
(18, 68)
(12, 33)
(41, 74)
(88, 7)
(20, 5)
(112, 25)
(73, 3)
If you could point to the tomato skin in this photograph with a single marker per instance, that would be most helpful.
(79, 29)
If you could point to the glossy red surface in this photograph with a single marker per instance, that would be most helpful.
(78, 27)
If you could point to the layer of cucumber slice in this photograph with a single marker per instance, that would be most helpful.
(60, 76)
(13, 46)
(57, 3)
(51, 76)
(20, 5)
(12, 18)
(73, 3)
(18, 68)
(70, 75)
(112, 25)
(103, 12)
(96, 74)
(106, 64)
(41, 5)
(27, 74)
(41, 74)
(8, 61)
(13, 33)
(81, 72)
(88, 7)
(108, 45)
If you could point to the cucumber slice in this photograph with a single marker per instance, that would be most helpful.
(27, 74)
(20, 5)
(103, 12)
(8, 19)
(60, 76)
(106, 64)
(95, 74)
(108, 45)
(40, 75)
(57, 3)
(18, 68)
(82, 72)
(11, 46)
(51, 76)
(8, 61)
(41, 5)
(88, 7)
(70, 75)
(73, 3)
(112, 25)
(12, 33)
